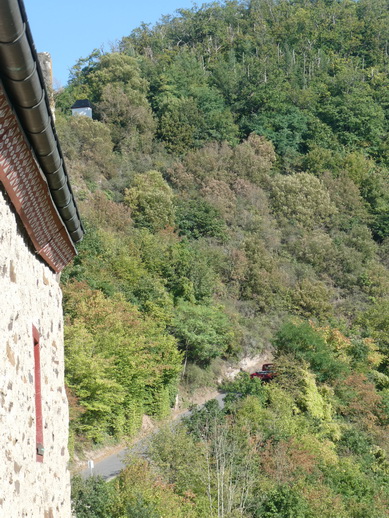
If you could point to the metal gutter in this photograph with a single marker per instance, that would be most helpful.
(24, 84)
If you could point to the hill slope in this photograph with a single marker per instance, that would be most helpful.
(235, 188)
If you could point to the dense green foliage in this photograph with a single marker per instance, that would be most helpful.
(234, 186)
(91, 498)
(295, 447)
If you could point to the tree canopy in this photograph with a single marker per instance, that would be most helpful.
(234, 185)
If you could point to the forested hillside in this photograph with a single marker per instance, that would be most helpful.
(234, 187)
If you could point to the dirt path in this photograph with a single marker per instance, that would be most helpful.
(117, 453)
(148, 426)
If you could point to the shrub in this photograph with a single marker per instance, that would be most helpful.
(151, 201)
(197, 218)
(284, 502)
(305, 343)
(204, 332)
(91, 498)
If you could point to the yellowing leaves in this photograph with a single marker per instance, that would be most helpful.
(303, 200)
(119, 364)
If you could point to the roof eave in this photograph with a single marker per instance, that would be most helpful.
(25, 86)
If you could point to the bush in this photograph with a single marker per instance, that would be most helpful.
(243, 386)
(355, 441)
(151, 201)
(91, 498)
(204, 332)
(142, 509)
(197, 218)
(284, 502)
(305, 343)
(197, 377)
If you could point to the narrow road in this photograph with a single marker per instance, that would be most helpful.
(110, 467)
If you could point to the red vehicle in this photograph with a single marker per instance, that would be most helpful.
(266, 374)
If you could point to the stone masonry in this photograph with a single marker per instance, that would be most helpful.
(30, 296)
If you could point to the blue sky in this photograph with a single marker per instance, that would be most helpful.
(71, 29)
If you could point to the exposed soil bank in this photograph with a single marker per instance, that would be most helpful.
(184, 400)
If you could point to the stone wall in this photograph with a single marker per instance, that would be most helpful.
(47, 71)
(30, 296)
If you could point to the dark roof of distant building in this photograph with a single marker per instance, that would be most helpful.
(82, 103)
